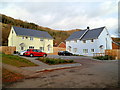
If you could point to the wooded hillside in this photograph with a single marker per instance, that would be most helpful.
(7, 22)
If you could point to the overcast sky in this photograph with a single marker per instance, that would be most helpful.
(65, 15)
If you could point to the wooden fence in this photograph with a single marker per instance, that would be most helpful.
(7, 49)
(56, 50)
(113, 52)
(98, 54)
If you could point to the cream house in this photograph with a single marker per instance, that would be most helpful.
(25, 39)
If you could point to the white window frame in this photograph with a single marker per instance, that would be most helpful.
(42, 48)
(75, 41)
(23, 37)
(31, 47)
(85, 51)
(31, 38)
(84, 41)
(92, 50)
(41, 39)
(92, 40)
(74, 49)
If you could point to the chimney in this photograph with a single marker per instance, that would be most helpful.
(88, 27)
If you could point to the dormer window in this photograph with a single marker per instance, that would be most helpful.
(84, 41)
(92, 40)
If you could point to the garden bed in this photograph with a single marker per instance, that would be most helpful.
(106, 57)
(53, 61)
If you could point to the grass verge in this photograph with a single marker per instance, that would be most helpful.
(16, 61)
(52, 61)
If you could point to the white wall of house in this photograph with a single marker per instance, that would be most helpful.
(90, 45)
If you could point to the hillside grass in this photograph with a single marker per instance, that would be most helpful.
(7, 22)
(16, 61)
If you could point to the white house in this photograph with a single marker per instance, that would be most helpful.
(89, 41)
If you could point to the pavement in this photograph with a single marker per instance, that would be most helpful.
(42, 66)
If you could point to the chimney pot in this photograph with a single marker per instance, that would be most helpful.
(88, 27)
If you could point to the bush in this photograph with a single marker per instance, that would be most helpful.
(54, 60)
(106, 57)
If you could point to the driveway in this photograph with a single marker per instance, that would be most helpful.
(92, 74)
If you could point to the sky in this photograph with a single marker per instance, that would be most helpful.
(64, 14)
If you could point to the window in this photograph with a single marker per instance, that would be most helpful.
(84, 41)
(12, 32)
(23, 37)
(69, 48)
(42, 48)
(31, 47)
(75, 41)
(31, 38)
(92, 40)
(75, 49)
(92, 50)
(26, 37)
(35, 50)
(68, 41)
(41, 39)
(85, 50)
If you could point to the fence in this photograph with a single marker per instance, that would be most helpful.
(98, 54)
(7, 49)
(113, 52)
(56, 50)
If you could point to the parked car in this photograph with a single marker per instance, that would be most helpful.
(35, 52)
(65, 53)
(22, 53)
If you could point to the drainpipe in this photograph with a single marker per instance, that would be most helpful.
(106, 43)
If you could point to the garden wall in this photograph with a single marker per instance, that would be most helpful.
(7, 49)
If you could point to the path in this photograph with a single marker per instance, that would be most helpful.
(42, 66)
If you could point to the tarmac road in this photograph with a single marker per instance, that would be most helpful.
(92, 74)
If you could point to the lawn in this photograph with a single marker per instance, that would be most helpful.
(16, 61)
(52, 61)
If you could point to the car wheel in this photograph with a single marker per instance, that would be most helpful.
(44, 55)
(31, 55)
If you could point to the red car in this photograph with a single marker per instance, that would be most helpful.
(34, 52)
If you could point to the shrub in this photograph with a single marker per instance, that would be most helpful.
(54, 60)
(106, 57)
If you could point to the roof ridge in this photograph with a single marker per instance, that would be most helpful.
(28, 29)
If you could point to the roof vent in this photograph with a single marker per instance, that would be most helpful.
(88, 27)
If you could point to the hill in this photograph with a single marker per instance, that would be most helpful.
(7, 22)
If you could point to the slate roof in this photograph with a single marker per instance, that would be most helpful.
(31, 32)
(90, 34)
